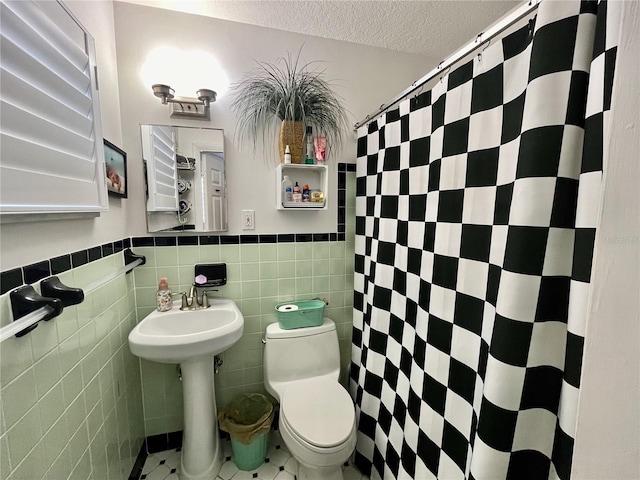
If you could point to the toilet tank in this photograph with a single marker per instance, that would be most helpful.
(300, 353)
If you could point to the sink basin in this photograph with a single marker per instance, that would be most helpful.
(177, 336)
(191, 338)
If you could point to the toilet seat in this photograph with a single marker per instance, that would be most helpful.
(318, 411)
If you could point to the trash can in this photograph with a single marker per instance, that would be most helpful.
(248, 419)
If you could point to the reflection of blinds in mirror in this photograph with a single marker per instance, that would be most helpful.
(158, 150)
(50, 131)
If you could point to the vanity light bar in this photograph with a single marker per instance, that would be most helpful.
(186, 107)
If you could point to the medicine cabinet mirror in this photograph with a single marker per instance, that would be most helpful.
(185, 178)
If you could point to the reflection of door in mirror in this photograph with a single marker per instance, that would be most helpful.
(214, 188)
(185, 175)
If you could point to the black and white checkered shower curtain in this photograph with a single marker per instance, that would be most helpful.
(476, 211)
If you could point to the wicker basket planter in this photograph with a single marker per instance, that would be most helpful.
(290, 93)
(292, 134)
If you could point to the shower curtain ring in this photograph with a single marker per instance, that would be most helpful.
(482, 51)
(445, 73)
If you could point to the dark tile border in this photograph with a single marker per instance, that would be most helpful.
(60, 264)
(268, 238)
(341, 196)
(35, 272)
(188, 240)
(210, 240)
(142, 241)
(79, 258)
(304, 237)
(11, 279)
(162, 442)
(138, 465)
(229, 239)
(166, 241)
(286, 237)
(95, 253)
(154, 444)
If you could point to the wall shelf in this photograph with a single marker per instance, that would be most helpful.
(314, 175)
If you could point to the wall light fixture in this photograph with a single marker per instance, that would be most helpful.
(186, 107)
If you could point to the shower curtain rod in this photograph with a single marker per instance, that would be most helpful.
(499, 27)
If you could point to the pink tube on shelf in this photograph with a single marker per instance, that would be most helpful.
(320, 148)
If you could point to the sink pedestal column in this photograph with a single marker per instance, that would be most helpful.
(201, 450)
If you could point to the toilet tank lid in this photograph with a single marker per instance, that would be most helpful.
(274, 330)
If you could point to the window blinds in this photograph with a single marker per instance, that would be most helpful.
(52, 158)
(159, 151)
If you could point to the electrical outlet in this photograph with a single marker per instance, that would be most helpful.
(248, 219)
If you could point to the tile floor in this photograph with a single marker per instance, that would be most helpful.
(279, 465)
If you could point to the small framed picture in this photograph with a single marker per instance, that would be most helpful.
(115, 161)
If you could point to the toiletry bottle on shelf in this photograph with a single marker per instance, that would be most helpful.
(297, 196)
(320, 146)
(306, 194)
(164, 300)
(309, 140)
(287, 155)
(287, 189)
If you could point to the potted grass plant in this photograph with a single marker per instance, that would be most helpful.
(289, 96)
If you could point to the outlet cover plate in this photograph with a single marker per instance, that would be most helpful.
(248, 220)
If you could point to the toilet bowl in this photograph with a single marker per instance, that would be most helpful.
(317, 416)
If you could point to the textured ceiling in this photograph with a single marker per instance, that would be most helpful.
(434, 28)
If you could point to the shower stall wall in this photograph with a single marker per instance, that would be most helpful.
(476, 213)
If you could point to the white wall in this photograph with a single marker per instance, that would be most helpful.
(26, 243)
(608, 430)
(364, 76)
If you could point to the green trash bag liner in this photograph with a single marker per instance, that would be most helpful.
(246, 417)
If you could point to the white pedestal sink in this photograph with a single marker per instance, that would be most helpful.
(191, 338)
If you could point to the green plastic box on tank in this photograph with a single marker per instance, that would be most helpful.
(309, 313)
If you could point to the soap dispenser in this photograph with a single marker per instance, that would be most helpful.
(164, 300)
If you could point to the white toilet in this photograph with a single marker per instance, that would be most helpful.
(317, 416)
